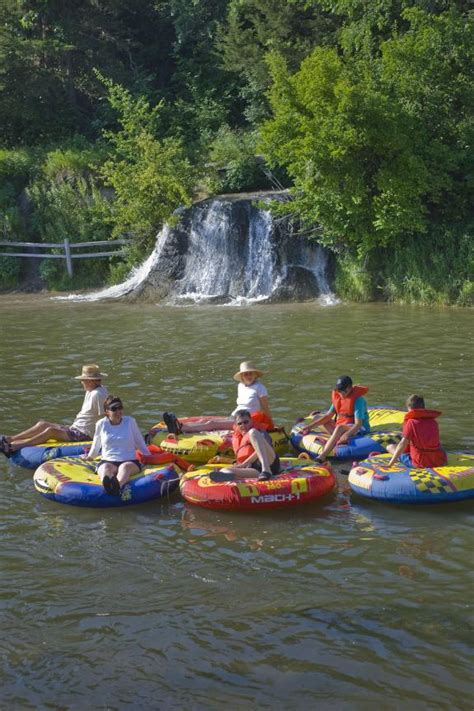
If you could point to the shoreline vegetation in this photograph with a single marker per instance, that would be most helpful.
(112, 118)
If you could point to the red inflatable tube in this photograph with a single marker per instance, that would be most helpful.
(159, 456)
(299, 482)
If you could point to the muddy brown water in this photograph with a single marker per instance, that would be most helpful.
(344, 604)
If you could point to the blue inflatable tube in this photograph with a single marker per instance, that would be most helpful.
(400, 484)
(75, 482)
(385, 423)
(33, 457)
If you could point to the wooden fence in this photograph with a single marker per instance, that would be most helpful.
(67, 247)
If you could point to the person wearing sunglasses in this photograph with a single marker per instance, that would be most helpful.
(117, 438)
(255, 456)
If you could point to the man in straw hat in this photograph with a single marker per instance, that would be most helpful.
(82, 429)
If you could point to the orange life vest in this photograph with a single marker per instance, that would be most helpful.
(344, 405)
(242, 446)
(241, 442)
(261, 420)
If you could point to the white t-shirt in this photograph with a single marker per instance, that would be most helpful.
(248, 397)
(117, 443)
(92, 409)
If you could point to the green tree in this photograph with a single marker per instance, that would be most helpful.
(48, 49)
(253, 28)
(150, 177)
(377, 145)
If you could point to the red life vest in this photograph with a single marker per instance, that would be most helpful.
(344, 405)
(420, 427)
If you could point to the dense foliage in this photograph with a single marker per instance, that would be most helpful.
(115, 113)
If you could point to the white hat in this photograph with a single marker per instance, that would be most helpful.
(90, 372)
(246, 367)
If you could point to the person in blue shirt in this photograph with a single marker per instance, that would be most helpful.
(347, 416)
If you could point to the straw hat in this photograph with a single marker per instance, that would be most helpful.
(90, 372)
(247, 367)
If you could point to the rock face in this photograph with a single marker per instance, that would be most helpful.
(230, 248)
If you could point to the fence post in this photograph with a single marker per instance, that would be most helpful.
(67, 251)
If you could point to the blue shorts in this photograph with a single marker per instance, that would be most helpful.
(406, 459)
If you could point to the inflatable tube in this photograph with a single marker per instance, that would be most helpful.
(385, 424)
(73, 481)
(201, 446)
(405, 485)
(299, 482)
(32, 457)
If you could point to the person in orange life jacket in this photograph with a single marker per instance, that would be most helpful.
(420, 445)
(348, 409)
(254, 452)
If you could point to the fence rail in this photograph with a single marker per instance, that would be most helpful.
(67, 246)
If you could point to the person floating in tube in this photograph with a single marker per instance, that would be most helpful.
(420, 445)
(347, 416)
(255, 456)
(82, 429)
(252, 395)
(117, 438)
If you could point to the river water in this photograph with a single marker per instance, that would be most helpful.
(345, 604)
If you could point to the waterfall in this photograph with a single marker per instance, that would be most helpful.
(229, 249)
(137, 276)
(221, 265)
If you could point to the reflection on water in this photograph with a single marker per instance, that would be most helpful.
(345, 604)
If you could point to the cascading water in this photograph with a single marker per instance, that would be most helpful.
(228, 250)
(224, 262)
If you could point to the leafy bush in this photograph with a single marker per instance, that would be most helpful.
(16, 166)
(234, 163)
(72, 208)
(150, 177)
(77, 157)
(353, 278)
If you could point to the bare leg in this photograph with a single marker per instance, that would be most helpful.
(391, 448)
(333, 440)
(40, 426)
(107, 472)
(51, 432)
(125, 471)
(242, 473)
(107, 469)
(224, 423)
(265, 453)
(264, 450)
